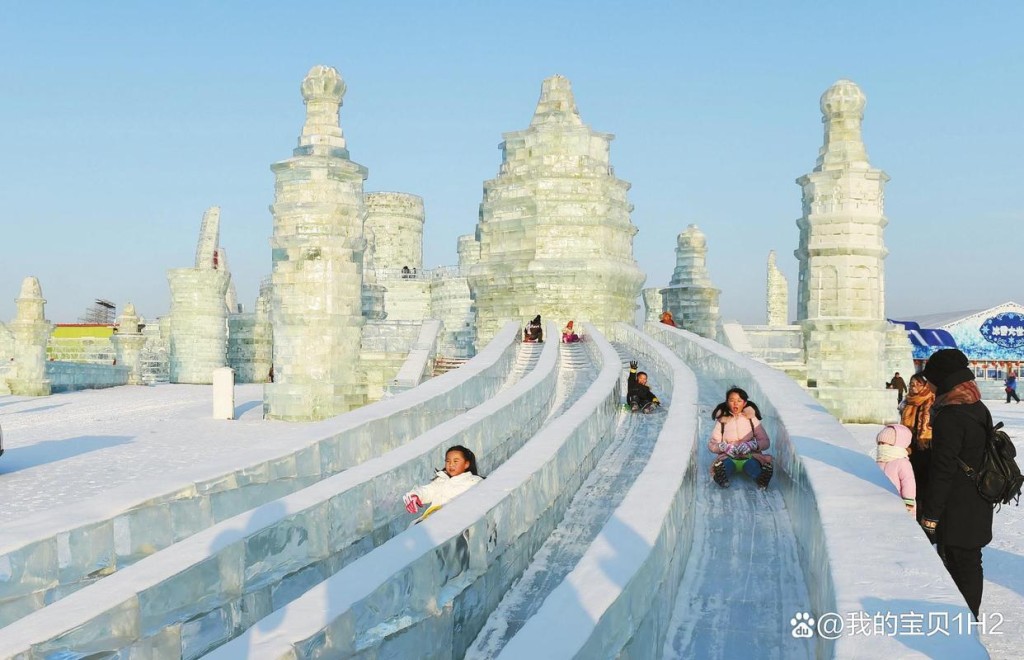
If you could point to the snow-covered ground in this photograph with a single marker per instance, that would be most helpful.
(66, 448)
(1003, 559)
(77, 447)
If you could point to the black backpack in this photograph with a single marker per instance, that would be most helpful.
(998, 479)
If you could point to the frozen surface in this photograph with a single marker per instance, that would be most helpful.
(743, 581)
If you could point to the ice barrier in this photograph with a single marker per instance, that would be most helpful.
(618, 598)
(834, 492)
(433, 586)
(206, 589)
(44, 559)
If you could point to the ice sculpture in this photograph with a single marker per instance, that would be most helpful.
(198, 326)
(777, 295)
(841, 299)
(654, 304)
(31, 331)
(690, 296)
(316, 292)
(554, 236)
(128, 343)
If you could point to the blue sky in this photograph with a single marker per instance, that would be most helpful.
(120, 123)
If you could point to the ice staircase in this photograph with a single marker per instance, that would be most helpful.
(443, 365)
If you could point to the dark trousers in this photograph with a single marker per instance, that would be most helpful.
(1013, 394)
(964, 566)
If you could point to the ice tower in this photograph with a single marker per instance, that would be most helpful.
(554, 235)
(316, 301)
(777, 294)
(128, 343)
(198, 326)
(690, 296)
(31, 331)
(841, 292)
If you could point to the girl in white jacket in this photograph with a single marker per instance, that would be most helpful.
(459, 474)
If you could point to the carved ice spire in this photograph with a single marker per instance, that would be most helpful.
(209, 239)
(778, 294)
(556, 104)
(842, 109)
(322, 90)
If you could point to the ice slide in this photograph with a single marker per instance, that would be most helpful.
(649, 582)
(185, 593)
(64, 561)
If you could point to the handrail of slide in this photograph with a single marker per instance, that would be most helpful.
(437, 582)
(48, 552)
(837, 500)
(620, 592)
(210, 575)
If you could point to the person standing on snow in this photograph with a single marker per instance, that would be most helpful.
(954, 514)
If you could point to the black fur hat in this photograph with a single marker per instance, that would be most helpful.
(946, 369)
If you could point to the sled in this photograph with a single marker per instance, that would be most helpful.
(426, 514)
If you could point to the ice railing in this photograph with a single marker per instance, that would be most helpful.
(837, 500)
(206, 589)
(433, 586)
(621, 592)
(45, 558)
(417, 274)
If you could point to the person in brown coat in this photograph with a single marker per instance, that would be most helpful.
(915, 414)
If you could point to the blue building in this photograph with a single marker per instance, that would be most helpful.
(992, 339)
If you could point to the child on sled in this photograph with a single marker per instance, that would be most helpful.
(638, 395)
(458, 476)
(739, 441)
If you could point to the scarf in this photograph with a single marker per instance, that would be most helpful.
(917, 416)
(963, 393)
(888, 453)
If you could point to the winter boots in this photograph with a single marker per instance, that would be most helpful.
(765, 476)
(719, 475)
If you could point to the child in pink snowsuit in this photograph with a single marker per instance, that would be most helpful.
(894, 460)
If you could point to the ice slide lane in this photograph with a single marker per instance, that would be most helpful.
(743, 581)
(190, 597)
(429, 590)
(589, 511)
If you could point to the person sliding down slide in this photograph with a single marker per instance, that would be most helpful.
(638, 394)
(458, 476)
(739, 440)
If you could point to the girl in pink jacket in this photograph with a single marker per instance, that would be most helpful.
(738, 435)
(893, 441)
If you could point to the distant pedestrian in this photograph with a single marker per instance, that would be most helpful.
(897, 383)
(1011, 387)
(666, 318)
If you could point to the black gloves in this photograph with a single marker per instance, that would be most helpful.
(633, 364)
(929, 527)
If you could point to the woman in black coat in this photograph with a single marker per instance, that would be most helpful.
(954, 514)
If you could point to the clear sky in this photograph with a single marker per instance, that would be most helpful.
(120, 123)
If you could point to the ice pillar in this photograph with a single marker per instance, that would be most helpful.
(841, 290)
(777, 297)
(31, 332)
(198, 328)
(316, 293)
(128, 343)
(690, 296)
